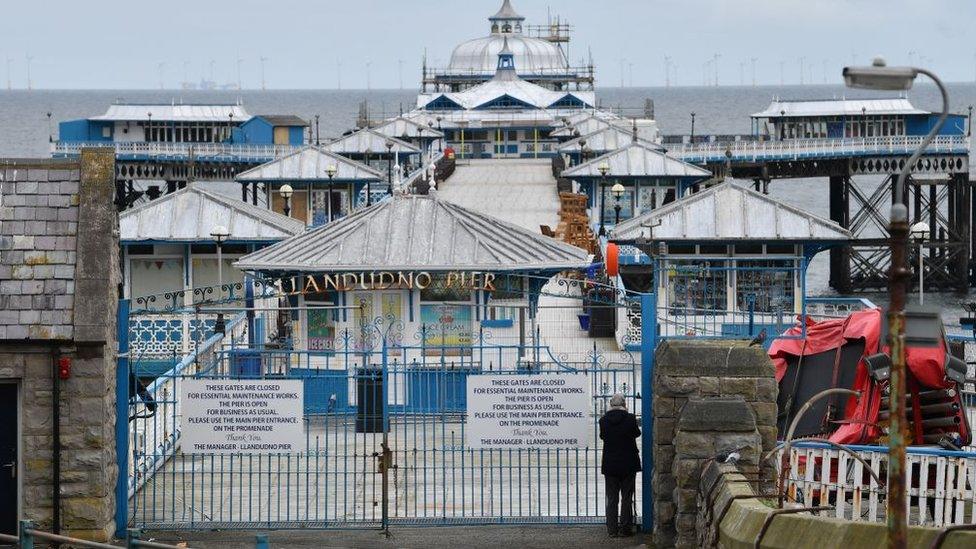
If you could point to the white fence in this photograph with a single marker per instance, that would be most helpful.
(813, 148)
(940, 483)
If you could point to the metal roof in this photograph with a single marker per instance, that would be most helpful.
(610, 138)
(417, 233)
(838, 107)
(639, 159)
(309, 164)
(506, 12)
(729, 212)
(585, 126)
(370, 140)
(501, 85)
(174, 113)
(282, 119)
(404, 128)
(190, 214)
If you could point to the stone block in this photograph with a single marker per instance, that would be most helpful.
(765, 411)
(717, 414)
(711, 357)
(667, 385)
(27, 187)
(709, 386)
(22, 272)
(693, 445)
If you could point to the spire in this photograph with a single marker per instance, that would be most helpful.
(506, 62)
(507, 20)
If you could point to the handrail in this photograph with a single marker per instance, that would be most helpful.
(819, 146)
(28, 534)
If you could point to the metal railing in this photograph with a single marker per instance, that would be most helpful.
(941, 483)
(227, 152)
(29, 535)
(798, 149)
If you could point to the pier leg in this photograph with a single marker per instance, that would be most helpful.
(254, 194)
(840, 271)
(963, 203)
(170, 186)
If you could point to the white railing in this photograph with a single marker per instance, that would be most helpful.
(940, 483)
(223, 151)
(810, 148)
(155, 436)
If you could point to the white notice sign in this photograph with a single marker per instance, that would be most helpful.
(242, 416)
(529, 411)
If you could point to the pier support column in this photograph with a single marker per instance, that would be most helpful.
(170, 186)
(963, 227)
(840, 257)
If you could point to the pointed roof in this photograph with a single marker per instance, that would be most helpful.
(417, 233)
(359, 142)
(610, 138)
(190, 214)
(309, 164)
(637, 159)
(506, 13)
(587, 125)
(728, 212)
(405, 128)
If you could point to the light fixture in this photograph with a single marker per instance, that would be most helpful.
(919, 231)
(604, 168)
(286, 191)
(617, 190)
(331, 170)
(879, 76)
(219, 233)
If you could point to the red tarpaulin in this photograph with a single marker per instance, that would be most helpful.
(861, 415)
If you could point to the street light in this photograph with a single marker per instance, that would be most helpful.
(286, 191)
(617, 191)
(604, 168)
(440, 142)
(330, 171)
(881, 77)
(369, 193)
(220, 234)
(919, 233)
(692, 127)
(389, 166)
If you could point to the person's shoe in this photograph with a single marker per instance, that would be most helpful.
(625, 533)
(613, 534)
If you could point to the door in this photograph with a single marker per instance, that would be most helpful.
(8, 458)
(281, 135)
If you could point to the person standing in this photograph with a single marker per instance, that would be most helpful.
(619, 465)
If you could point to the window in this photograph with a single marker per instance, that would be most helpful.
(696, 287)
(765, 285)
(155, 276)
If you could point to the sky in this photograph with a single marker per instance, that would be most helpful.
(126, 44)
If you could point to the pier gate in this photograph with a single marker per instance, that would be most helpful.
(385, 414)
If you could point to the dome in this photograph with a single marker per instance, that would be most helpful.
(533, 56)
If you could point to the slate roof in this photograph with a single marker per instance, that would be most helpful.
(638, 159)
(190, 214)
(309, 164)
(610, 138)
(417, 233)
(730, 212)
(283, 119)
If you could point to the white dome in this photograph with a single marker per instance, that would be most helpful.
(533, 56)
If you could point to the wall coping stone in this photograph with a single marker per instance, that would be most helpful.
(725, 414)
(695, 357)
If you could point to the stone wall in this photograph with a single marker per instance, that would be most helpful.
(59, 276)
(711, 398)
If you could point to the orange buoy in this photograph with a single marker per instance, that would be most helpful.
(613, 259)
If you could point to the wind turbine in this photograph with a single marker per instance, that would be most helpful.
(9, 84)
(30, 84)
(159, 71)
(754, 59)
(239, 85)
(263, 86)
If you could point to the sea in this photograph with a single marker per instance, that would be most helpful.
(29, 120)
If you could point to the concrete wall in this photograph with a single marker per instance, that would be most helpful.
(59, 276)
(730, 518)
(711, 397)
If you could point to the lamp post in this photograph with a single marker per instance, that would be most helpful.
(430, 124)
(369, 194)
(286, 191)
(604, 169)
(919, 232)
(440, 143)
(220, 234)
(149, 126)
(330, 171)
(881, 77)
(617, 191)
(230, 126)
(389, 167)
(420, 139)
(692, 127)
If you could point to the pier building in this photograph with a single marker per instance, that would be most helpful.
(540, 53)
(504, 117)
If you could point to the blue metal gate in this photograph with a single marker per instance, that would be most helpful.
(385, 429)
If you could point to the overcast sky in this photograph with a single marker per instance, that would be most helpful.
(121, 43)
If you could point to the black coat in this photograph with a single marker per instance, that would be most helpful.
(619, 432)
